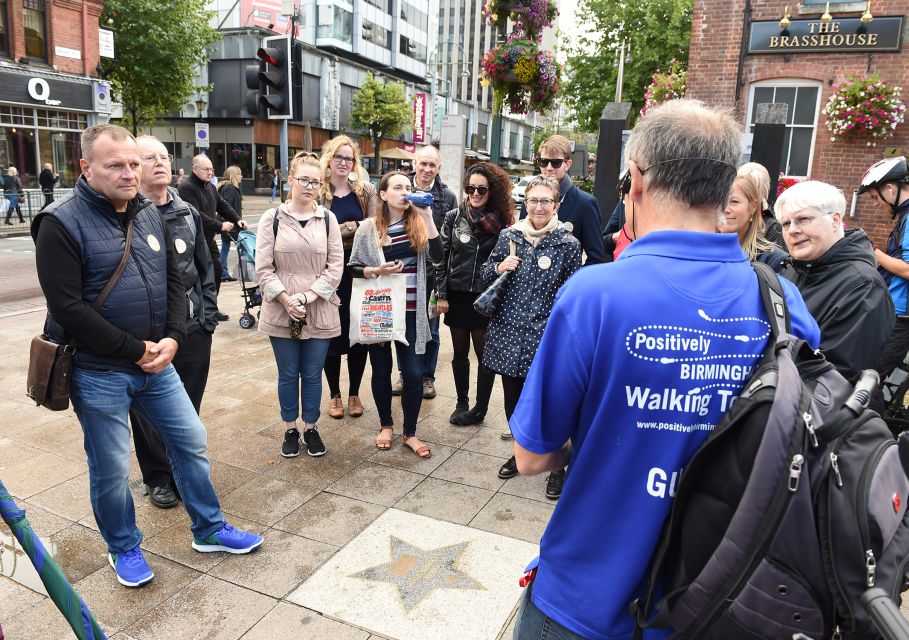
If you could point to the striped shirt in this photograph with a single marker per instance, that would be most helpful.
(401, 249)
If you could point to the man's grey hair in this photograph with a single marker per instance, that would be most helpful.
(429, 147)
(198, 157)
(688, 152)
(90, 135)
(811, 194)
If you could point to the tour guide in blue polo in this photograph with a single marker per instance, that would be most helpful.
(638, 363)
(124, 350)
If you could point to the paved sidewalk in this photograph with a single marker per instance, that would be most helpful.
(374, 544)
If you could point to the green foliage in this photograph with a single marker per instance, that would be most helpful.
(382, 109)
(656, 30)
(537, 139)
(159, 46)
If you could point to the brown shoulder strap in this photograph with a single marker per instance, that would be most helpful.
(120, 267)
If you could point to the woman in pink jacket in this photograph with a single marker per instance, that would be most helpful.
(299, 262)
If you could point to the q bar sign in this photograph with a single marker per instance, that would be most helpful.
(419, 118)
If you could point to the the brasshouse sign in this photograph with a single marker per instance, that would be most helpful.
(885, 33)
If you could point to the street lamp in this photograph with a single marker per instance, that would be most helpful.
(200, 105)
(432, 76)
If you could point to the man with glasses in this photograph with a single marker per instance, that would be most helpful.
(193, 360)
(217, 215)
(578, 210)
(836, 273)
(428, 164)
(613, 390)
(124, 348)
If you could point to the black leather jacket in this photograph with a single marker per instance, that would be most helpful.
(465, 253)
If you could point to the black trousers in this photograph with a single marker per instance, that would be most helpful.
(192, 363)
(895, 349)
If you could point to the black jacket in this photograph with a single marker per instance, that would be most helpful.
(211, 206)
(465, 253)
(79, 241)
(194, 262)
(444, 199)
(772, 229)
(849, 301)
(47, 180)
(580, 213)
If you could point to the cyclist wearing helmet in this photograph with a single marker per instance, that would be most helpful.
(887, 182)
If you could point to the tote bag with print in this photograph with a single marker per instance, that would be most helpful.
(378, 310)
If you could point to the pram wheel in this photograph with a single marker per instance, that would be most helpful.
(247, 321)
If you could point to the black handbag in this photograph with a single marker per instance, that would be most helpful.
(488, 302)
(50, 365)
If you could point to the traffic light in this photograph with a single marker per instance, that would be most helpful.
(275, 85)
(253, 101)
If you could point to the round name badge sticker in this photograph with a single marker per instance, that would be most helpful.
(465, 238)
(180, 245)
(544, 262)
(153, 243)
(569, 226)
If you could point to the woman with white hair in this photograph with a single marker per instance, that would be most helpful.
(836, 273)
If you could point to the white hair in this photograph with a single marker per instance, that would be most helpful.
(811, 194)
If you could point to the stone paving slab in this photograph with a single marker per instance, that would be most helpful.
(411, 577)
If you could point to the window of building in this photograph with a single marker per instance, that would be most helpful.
(4, 38)
(335, 22)
(513, 150)
(412, 48)
(384, 5)
(803, 99)
(414, 16)
(376, 34)
(33, 19)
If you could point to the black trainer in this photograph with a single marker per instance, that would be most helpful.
(313, 440)
(291, 446)
(163, 497)
(554, 484)
(509, 469)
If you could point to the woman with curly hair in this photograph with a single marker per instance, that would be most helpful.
(352, 200)
(469, 234)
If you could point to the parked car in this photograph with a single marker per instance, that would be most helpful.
(517, 192)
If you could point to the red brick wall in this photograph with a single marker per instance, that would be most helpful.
(716, 38)
(63, 28)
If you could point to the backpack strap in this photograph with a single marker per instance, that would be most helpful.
(774, 300)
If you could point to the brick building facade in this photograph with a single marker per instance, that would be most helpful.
(49, 53)
(722, 72)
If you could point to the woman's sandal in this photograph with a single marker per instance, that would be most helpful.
(421, 450)
(384, 444)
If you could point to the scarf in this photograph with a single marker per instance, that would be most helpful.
(484, 225)
(533, 236)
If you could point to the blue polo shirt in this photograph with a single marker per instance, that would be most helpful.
(640, 360)
(899, 287)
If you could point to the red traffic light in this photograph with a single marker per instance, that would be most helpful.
(271, 55)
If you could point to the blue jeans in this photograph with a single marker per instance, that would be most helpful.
(102, 400)
(300, 365)
(533, 624)
(225, 254)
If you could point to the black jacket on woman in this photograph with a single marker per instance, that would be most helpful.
(465, 253)
(847, 296)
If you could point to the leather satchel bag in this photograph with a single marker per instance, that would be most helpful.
(50, 365)
(488, 302)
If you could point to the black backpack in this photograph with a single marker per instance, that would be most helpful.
(791, 509)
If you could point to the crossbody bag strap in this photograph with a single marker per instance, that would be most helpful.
(120, 267)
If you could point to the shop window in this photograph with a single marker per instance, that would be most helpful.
(33, 18)
(4, 38)
(803, 100)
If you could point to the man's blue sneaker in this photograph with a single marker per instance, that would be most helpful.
(131, 567)
(230, 540)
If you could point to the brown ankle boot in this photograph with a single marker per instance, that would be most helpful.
(336, 408)
(354, 407)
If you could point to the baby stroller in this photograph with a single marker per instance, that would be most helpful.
(246, 266)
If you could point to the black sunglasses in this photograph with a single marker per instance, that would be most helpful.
(471, 189)
(555, 162)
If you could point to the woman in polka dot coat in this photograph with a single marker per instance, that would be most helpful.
(546, 254)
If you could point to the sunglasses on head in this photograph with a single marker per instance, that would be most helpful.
(471, 189)
(555, 162)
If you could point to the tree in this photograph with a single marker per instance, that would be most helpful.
(656, 31)
(382, 109)
(159, 46)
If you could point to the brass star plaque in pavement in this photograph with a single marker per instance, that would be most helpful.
(418, 572)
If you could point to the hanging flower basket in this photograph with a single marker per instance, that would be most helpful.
(864, 105)
(528, 16)
(666, 86)
(521, 75)
(785, 182)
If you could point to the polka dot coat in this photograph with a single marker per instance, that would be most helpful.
(514, 333)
